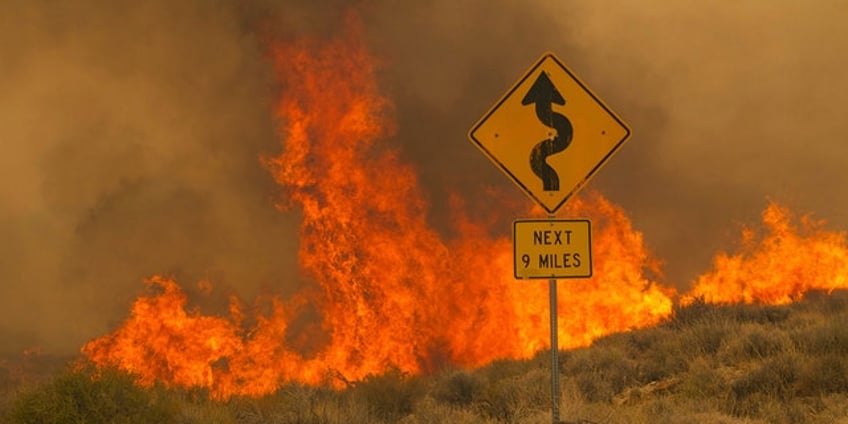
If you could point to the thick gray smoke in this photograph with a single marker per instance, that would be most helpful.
(131, 134)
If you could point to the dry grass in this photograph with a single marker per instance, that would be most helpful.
(708, 364)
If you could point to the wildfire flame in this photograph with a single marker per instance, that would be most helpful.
(392, 292)
(389, 289)
(777, 267)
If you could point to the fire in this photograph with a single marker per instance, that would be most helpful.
(779, 266)
(389, 290)
(145, 345)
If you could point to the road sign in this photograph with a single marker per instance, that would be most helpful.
(549, 133)
(548, 248)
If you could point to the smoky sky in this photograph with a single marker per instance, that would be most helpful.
(132, 134)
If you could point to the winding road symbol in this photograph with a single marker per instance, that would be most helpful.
(544, 94)
(549, 133)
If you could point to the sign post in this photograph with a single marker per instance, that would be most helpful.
(550, 134)
(552, 296)
(552, 249)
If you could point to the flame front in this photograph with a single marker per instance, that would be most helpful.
(390, 291)
(778, 267)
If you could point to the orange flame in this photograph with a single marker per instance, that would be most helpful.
(392, 292)
(778, 267)
(389, 289)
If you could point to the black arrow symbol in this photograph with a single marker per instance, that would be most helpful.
(544, 94)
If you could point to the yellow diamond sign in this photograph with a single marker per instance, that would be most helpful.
(549, 133)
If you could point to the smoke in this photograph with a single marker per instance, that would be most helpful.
(730, 104)
(131, 133)
(748, 97)
(132, 136)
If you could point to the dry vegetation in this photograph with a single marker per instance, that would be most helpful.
(709, 364)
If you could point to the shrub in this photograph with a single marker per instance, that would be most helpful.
(83, 396)
(757, 313)
(685, 316)
(505, 369)
(292, 403)
(429, 411)
(703, 381)
(705, 338)
(832, 337)
(458, 388)
(754, 342)
(602, 373)
(646, 340)
(512, 391)
(827, 302)
(502, 400)
(773, 380)
(699, 312)
(390, 396)
(822, 375)
(654, 353)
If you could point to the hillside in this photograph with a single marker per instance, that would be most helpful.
(708, 364)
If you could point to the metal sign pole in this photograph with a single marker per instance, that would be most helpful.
(552, 294)
(554, 353)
